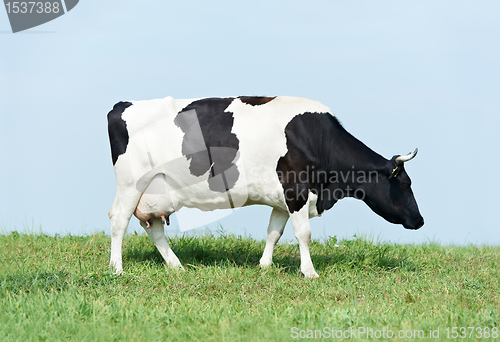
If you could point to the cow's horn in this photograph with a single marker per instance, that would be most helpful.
(409, 156)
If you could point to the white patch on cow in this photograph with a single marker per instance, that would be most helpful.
(313, 211)
(261, 132)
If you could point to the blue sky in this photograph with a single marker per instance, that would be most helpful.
(398, 75)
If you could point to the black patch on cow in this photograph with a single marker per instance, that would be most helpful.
(312, 139)
(117, 130)
(255, 100)
(213, 149)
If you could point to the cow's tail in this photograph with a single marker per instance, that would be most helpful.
(117, 130)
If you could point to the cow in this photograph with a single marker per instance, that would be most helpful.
(289, 153)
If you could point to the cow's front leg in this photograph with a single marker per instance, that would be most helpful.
(302, 230)
(277, 224)
(157, 234)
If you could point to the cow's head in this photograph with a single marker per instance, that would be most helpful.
(391, 196)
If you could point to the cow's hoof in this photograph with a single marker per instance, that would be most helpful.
(118, 271)
(310, 275)
(265, 264)
(176, 267)
(118, 268)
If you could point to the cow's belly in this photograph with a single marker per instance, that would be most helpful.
(163, 196)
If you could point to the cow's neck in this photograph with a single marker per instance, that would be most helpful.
(352, 162)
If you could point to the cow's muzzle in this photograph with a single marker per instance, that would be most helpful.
(417, 224)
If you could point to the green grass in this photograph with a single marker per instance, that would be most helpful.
(59, 288)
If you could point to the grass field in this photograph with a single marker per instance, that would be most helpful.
(59, 288)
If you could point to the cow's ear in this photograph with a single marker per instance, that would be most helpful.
(393, 168)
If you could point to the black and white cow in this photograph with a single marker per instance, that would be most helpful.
(215, 153)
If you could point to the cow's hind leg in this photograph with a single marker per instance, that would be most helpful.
(302, 230)
(119, 224)
(120, 214)
(277, 224)
(157, 234)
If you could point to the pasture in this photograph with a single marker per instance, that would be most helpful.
(60, 289)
